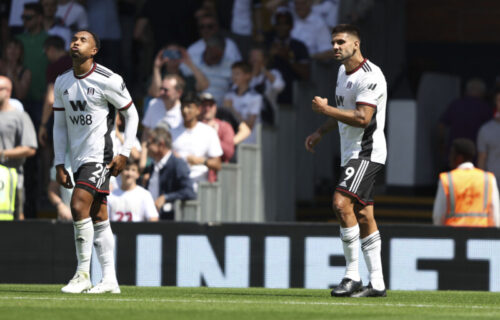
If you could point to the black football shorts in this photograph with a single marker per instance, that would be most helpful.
(93, 177)
(358, 178)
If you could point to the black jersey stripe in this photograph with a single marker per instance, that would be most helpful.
(367, 139)
(108, 141)
(102, 73)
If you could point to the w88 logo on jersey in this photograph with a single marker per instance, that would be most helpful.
(82, 119)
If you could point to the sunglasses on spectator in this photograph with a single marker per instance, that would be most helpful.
(207, 26)
(27, 17)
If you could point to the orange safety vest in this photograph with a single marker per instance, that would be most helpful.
(468, 194)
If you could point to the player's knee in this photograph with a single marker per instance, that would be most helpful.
(364, 218)
(340, 206)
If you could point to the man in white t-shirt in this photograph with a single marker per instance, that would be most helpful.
(130, 202)
(311, 30)
(163, 111)
(196, 142)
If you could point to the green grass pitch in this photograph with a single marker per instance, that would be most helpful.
(46, 302)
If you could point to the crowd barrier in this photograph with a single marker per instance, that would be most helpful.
(274, 255)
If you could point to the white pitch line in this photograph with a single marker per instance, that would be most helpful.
(333, 303)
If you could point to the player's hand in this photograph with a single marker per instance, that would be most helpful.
(159, 202)
(117, 164)
(312, 140)
(319, 105)
(63, 177)
(42, 135)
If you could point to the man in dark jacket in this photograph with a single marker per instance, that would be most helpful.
(169, 176)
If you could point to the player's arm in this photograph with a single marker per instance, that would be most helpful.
(314, 138)
(359, 117)
(117, 94)
(60, 136)
(439, 208)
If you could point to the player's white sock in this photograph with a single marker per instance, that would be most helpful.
(84, 233)
(371, 246)
(104, 242)
(350, 243)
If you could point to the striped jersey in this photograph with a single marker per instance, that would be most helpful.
(364, 85)
(89, 102)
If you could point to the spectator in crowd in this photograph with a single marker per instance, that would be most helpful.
(311, 31)
(223, 128)
(72, 14)
(208, 27)
(53, 25)
(170, 58)
(288, 55)
(168, 176)
(245, 104)
(488, 142)
(103, 21)
(34, 59)
(59, 196)
(466, 196)
(15, 22)
(243, 19)
(59, 62)
(269, 83)
(17, 140)
(166, 110)
(131, 202)
(463, 117)
(216, 67)
(328, 10)
(196, 142)
(12, 67)
(240, 128)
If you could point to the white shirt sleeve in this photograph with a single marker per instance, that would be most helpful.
(495, 203)
(439, 210)
(60, 130)
(279, 84)
(149, 207)
(116, 93)
(255, 105)
(370, 90)
(214, 148)
(150, 119)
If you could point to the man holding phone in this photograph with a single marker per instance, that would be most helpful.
(168, 61)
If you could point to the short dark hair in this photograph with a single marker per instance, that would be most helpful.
(97, 41)
(465, 148)
(283, 13)
(190, 97)
(55, 42)
(35, 6)
(243, 66)
(347, 28)
(132, 162)
(162, 135)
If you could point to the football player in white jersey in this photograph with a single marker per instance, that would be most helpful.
(359, 112)
(86, 99)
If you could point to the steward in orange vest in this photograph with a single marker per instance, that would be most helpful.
(467, 196)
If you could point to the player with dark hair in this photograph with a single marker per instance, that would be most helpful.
(86, 98)
(359, 112)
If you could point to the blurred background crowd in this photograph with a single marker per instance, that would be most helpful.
(238, 62)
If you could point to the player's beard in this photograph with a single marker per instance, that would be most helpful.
(348, 57)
